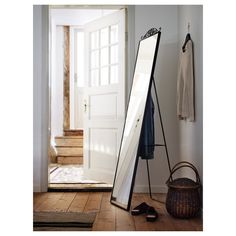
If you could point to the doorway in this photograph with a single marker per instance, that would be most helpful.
(87, 100)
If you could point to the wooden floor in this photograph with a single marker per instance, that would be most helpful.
(111, 218)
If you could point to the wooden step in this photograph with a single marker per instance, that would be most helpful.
(73, 132)
(69, 136)
(69, 151)
(69, 141)
(70, 160)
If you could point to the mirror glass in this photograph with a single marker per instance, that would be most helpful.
(128, 159)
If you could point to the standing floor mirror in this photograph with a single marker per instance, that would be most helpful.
(128, 154)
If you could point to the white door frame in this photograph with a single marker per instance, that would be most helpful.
(42, 95)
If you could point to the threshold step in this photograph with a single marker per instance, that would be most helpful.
(70, 160)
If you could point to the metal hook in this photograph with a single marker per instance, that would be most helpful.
(188, 27)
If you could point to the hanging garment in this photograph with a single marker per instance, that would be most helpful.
(185, 84)
(147, 137)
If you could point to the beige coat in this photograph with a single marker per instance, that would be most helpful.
(185, 84)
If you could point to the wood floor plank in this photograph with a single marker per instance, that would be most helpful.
(124, 220)
(141, 224)
(94, 202)
(48, 202)
(79, 202)
(64, 202)
(38, 198)
(105, 219)
(183, 225)
(105, 204)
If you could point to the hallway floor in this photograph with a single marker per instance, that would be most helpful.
(111, 218)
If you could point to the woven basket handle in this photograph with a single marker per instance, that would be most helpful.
(175, 168)
(184, 162)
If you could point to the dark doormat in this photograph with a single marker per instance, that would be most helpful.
(63, 221)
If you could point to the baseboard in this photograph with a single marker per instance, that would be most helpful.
(154, 188)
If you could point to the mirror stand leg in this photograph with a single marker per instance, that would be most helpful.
(149, 182)
(162, 127)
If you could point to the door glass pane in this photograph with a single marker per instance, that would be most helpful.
(114, 33)
(104, 56)
(94, 80)
(104, 76)
(94, 59)
(114, 74)
(95, 40)
(114, 54)
(104, 37)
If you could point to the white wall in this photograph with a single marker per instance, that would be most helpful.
(191, 133)
(57, 78)
(78, 17)
(147, 17)
(187, 136)
(40, 96)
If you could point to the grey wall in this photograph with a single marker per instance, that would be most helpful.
(40, 97)
(37, 74)
(147, 17)
(191, 133)
(184, 139)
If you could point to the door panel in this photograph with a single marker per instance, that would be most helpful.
(102, 151)
(103, 106)
(104, 99)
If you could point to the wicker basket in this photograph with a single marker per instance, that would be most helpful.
(183, 197)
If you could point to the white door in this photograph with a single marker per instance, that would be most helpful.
(104, 95)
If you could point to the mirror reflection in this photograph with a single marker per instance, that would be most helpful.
(127, 160)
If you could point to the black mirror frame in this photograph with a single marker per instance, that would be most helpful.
(150, 33)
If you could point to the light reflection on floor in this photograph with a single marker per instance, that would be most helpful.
(69, 174)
